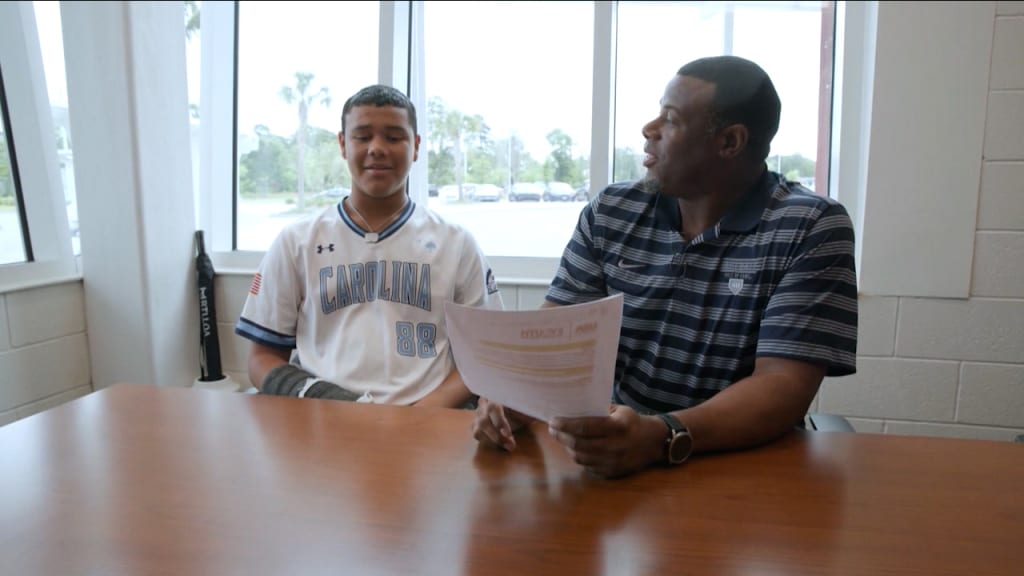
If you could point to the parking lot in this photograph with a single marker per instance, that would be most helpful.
(530, 229)
(503, 228)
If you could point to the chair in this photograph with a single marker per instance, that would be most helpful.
(828, 423)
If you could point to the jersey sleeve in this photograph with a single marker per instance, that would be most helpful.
(476, 285)
(579, 278)
(270, 314)
(812, 316)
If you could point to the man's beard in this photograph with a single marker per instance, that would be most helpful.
(650, 184)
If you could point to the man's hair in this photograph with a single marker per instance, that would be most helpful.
(744, 94)
(380, 95)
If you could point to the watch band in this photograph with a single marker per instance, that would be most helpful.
(673, 423)
(678, 442)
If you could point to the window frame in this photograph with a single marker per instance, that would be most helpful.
(401, 65)
(32, 131)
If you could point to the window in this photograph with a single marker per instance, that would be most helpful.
(193, 64)
(508, 105)
(13, 241)
(791, 40)
(513, 100)
(292, 84)
(51, 43)
(34, 241)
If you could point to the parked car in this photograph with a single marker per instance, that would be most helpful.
(582, 193)
(559, 191)
(526, 191)
(449, 193)
(484, 193)
(337, 192)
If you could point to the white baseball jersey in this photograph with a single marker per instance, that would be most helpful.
(366, 311)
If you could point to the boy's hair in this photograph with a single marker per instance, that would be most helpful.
(380, 95)
(744, 94)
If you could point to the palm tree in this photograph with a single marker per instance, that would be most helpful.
(298, 94)
(191, 19)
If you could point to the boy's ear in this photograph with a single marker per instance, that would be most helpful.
(341, 143)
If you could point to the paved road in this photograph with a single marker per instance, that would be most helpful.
(535, 229)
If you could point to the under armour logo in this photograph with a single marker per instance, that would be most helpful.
(320, 248)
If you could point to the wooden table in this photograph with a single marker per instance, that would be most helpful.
(140, 480)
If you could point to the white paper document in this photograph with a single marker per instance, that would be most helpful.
(546, 362)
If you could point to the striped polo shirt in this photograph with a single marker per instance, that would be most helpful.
(775, 277)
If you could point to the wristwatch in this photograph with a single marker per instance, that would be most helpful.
(678, 442)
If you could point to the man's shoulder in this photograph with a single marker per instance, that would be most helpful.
(630, 190)
(791, 199)
(623, 200)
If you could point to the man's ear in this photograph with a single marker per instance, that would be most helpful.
(733, 140)
(341, 143)
(415, 147)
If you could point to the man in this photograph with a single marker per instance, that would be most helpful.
(739, 287)
(357, 292)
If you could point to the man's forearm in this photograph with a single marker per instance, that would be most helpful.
(753, 411)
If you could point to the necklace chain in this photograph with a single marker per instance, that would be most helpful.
(366, 222)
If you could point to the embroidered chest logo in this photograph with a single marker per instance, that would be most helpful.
(320, 248)
(739, 273)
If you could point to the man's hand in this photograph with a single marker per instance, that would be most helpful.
(494, 426)
(615, 445)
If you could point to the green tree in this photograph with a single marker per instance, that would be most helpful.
(325, 168)
(792, 164)
(530, 170)
(267, 169)
(191, 19)
(562, 166)
(6, 182)
(300, 94)
(628, 165)
(456, 133)
(517, 158)
(442, 167)
(583, 170)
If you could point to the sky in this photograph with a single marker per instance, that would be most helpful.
(526, 67)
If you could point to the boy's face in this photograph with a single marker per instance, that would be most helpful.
(380, 148)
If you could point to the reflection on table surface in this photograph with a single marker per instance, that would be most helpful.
(145, 480)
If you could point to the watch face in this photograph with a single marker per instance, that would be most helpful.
(679, 448)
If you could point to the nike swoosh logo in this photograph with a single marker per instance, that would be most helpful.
(627, 266)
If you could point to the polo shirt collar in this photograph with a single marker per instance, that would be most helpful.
(745, 216)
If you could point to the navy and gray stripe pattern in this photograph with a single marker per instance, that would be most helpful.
(263, 335)
(775, 277)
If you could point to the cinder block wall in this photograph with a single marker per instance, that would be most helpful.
(955, 367)
(44, 353)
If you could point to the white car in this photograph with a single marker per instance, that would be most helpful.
(559, 191)
(485, 193)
